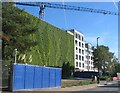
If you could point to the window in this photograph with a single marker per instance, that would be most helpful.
(80, 44)
(89, 52)
(82, 58)
(76, 64)
(82, 51)
(76, 56)
(82, 38)
(79, 50)
(76, 48)
(76, 35)
(79, 57)
(79, 64)
(79, 37)
(83, 65)
(76, 42)
(89, 62)
(86, 57)
(91, 58)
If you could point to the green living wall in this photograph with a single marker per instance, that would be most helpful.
(54, 47)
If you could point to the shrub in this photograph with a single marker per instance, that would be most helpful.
(76, 83)
(105, 78)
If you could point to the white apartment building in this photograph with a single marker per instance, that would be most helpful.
(88, 57)
(83, 56)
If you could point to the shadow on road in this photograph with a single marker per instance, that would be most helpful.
(110, 86)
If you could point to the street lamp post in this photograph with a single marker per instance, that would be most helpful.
(97, 41)
(98, 79)
(15, 54)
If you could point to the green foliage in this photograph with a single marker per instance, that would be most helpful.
(103, 58)
(38, 42)
(76, 83)
(16, 27)
(117, 68)
(105, 78)
(54, 46)
(67, 70)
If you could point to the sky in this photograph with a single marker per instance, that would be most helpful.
(92, 25)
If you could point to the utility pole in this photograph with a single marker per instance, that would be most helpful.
(98, 78)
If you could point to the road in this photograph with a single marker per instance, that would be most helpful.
(104, 87)
(109, 87)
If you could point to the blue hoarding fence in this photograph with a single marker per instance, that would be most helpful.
(35, 77)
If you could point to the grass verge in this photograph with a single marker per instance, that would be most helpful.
(71, 83)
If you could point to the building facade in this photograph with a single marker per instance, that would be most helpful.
(83, 53)
(88, 57)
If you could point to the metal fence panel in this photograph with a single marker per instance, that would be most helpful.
(18, 78)
(29, 77)
(58, 77)
(38, 77)
(52, 77)
(45, 78)
(32, 77)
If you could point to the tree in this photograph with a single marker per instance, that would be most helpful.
(67, 70)
(117, 67)
(17, 26)
(103, 58)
